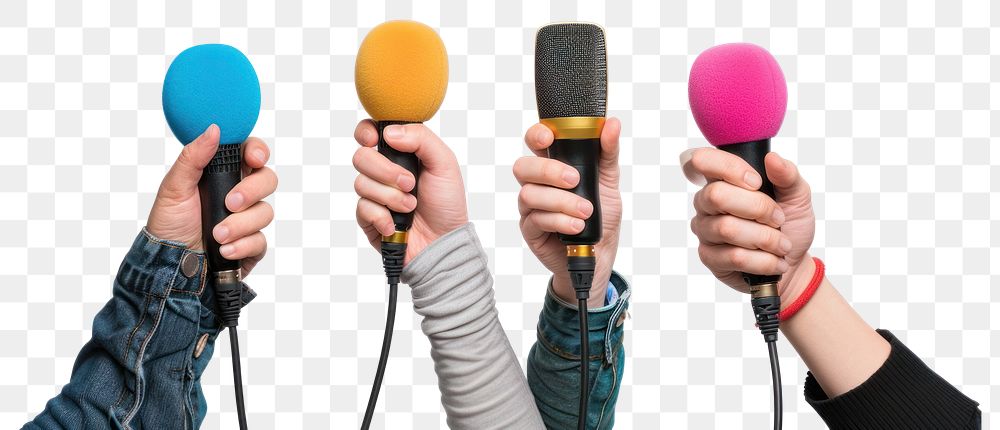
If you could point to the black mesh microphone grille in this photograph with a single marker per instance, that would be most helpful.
(571, 71)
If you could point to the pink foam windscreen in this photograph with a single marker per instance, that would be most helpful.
(737, 94)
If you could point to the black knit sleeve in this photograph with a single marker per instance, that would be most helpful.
(903, 394)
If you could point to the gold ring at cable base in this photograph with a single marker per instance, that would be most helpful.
(579, 250)
(769, 289)
(397, 237)
(575, 127)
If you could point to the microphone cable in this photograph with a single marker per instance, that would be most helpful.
(228, 291)
(766, 305)
(393, 252)
(581, 262)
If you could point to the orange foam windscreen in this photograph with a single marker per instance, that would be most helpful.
(401, 72)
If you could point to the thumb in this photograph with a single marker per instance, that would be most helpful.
(610, 137)
(186, 171)
(789, 186)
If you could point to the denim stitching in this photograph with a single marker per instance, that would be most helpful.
(614, 383)
(142, 319)
(142, 352)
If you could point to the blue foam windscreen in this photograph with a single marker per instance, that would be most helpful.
(211, 84)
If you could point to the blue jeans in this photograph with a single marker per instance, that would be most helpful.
(123, 379)
(554, 360)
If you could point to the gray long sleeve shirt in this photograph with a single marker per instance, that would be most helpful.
(482, 385)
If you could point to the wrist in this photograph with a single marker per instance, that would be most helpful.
(796, 280)
(563, 289)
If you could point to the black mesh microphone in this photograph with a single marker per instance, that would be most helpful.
(571, 87)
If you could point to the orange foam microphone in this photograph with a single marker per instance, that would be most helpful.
(401, 74)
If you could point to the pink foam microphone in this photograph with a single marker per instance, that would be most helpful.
(738, 97)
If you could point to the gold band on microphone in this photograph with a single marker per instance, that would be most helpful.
(579, 250)
(397, 237)
(769, 289)
(575, 127)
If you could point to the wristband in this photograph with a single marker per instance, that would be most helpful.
(807, 294)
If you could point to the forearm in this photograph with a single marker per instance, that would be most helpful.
(863, 378)
(554, 361)
(837, 345)
(151, 342)
(482, 385)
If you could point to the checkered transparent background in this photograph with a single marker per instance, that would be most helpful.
(892, 110)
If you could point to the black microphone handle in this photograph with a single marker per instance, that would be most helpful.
(753, 153)
(217, 180)
(585, 156)
(408, 161)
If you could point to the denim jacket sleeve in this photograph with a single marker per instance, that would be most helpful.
(554, 360)
(151, 342)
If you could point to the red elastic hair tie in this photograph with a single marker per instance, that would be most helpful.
(806, 295)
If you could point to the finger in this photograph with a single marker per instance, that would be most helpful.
(789, 186)
(371, 214)
(186, 171)
(730, 230)
(245, 223)
(249, 246)
(420, 140)
(539, 197)
(252, 189)
(385, 195)
(610, 137)
(374, 165)
(538, 223)
(545, 171)
(713, 164)
(539, 138)
(723, 198)
(255, 153)
(365, 133)
(248, 263)
(721, 258)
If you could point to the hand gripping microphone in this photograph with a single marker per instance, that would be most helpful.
(571, 87)
(401, 74)
(205, 85)
(738, 97)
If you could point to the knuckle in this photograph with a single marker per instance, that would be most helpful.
(357, 158)
(715, 194)
(738, 257)
(703, 254)
(728, 229)
(359, 184)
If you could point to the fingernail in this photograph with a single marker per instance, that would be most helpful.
(585, 208)
(571, 176)
(234, 201)
(782, 266)
(410, 202)
(578, 224)
(778, 217)
(220, 232)
(227, 250)
(405, 182)
(369, 135)
(753, 180)
(259, 155)
(393, 131)
(786, 245)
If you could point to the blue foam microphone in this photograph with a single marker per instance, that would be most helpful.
(205, 85)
